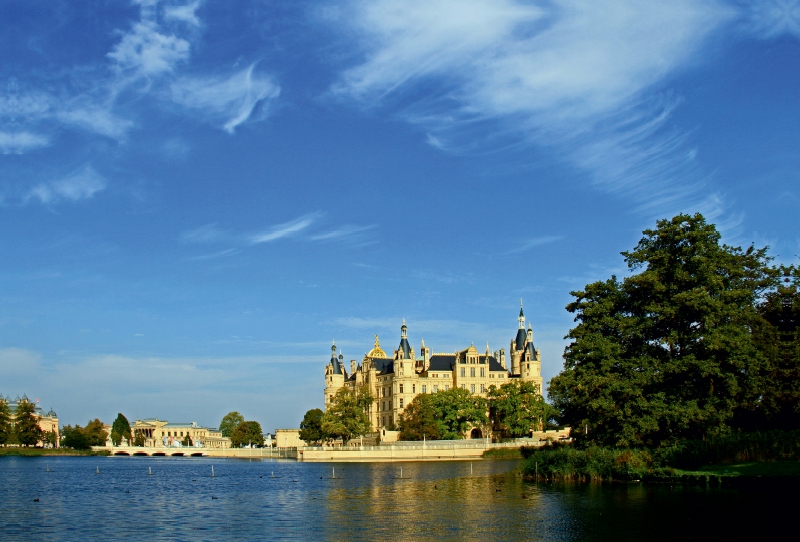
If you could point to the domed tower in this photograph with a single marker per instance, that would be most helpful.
(526, 359)
(334, 376)
(404, 351)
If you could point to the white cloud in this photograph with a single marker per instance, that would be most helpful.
(535, 242)
(186, 13)
(79, 186)
(284, 230)
(204, 234)
(575, 76)
(348, 231)
(770, 19)
(229, 101)
(146, 51)
(20, 142)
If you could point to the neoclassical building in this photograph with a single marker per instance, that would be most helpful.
(394, 380)
(161, 433)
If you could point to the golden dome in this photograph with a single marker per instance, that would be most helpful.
(376, 351)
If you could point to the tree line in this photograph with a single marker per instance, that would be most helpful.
(513, 409)
(23, 427)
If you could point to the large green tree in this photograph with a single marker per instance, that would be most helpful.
(311, 427)
(229, 422)
(74, 437)
(776, 404)
(418, 420)
(346, 416)
(121, 429)
(96, 433)
(26, 424)
(247, 433)
(667, 353)
(5, 422)
(516, 408)
(444, 415)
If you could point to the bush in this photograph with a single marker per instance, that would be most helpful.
(733, 448)
(563, 462)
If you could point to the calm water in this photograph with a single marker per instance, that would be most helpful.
(181, 501)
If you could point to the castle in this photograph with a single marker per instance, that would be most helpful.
(394, 380)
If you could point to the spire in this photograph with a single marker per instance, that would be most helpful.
(403, 330)
(487, 350)
(521, 316)
(333, 349)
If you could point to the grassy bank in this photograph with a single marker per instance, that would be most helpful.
(503, 453)
(767, 454)
(37, 452)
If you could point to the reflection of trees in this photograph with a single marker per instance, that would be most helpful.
(464, 507)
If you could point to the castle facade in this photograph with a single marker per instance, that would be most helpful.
(394, 380)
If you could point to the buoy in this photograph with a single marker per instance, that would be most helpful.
(212, 472)
(98, 470)
(48, 467)
(273, 474)
(150, 471)
(334, 472)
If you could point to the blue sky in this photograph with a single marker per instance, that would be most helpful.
(197, 197)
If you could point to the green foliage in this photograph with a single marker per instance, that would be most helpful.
(738, 447)
(229, 422)
(5, 422)
(516, 408)
(418, 419)
(26, 424)
(96, 433)
(667, 354)
(776, 404)
(75, 438)
(121, 429)
(311, 427)
(139, 440)
(502, 453)
(247, 433)
(50, 437)
(187, 440)
(346, 415)
(444, 415)
(568, 463)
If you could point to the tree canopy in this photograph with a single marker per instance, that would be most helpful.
(95, 433)
(311, 427)
(346, 415)
(5, 422)
(247, 433)
(120, 430)
(516, 408)
(75, 438)
(26, 424)
(667, 353)
(229, 422)
(444, 415)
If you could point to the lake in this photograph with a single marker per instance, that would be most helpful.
(263, 499)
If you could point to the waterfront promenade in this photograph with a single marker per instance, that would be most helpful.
(451, 450)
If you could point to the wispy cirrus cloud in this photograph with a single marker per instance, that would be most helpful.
(769, 19)
(574, 76)
(150, 59)
(301, 228)
(228, 101)
(286, 229)
(535, 242)
(81, 185)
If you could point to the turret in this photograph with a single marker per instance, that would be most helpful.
(404, 351)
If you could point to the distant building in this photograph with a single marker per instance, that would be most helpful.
(161, 433)
(288, 438)
(394, 380)
(48, 421)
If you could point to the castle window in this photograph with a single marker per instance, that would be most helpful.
(472, 388)
(483, 388)
(446, 387)
(435, 389)
(483, 371)
(401, 402)
(401, 388)
(463, 386)
(424, 388)
(413, 388)
(463, 372)
(472, 371)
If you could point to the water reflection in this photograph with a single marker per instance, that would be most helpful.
(261, 500)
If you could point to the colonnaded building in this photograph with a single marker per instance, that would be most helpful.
(395, 380)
